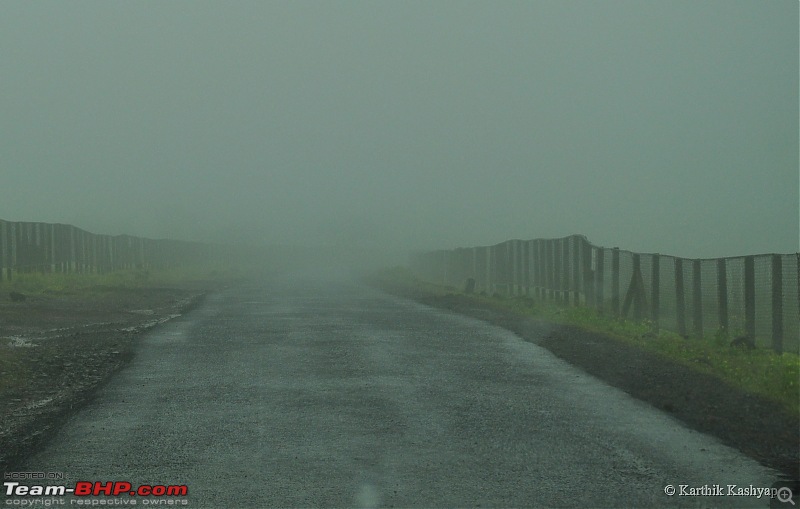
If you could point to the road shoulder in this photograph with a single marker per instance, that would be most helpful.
(56, 351)
(752, 424)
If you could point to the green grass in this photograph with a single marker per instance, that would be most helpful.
(13, 371)
(760, 371)
(36, 283)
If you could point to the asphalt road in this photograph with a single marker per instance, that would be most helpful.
(302, 393)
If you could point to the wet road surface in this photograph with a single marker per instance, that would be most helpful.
(304, 393)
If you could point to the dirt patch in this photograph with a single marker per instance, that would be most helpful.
(758, 427)
(57, 350)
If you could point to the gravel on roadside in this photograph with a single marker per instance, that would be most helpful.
(56, 350)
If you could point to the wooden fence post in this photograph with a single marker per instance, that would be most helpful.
(588, 276)
(43, 238)
(551, 272)
(12, 257)
(576, 297)
(558, 272)
(52, 251)
(513, 248)
(519, 247)
(481, 268)
(443, 266)
(79, 251)
(635, 294)
(777, 303)
(141, 260)
(750, 297)
(2, 249)
(541, 269)
(680, 300)
(93, 252)
(722, 294)
(18, 253)
(615, 281)
(59, 248)
(526, 267)
(565, 266)
(697, 298)
(655, 294)
(73, 249)
(599, 294)
(474, 251)
(489, 274)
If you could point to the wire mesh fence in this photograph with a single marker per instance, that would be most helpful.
(756, 298)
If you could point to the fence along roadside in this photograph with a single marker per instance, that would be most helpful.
(756, 296)
(48, 247)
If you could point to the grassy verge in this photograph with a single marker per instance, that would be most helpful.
(13, 370)
(759, 371)
(15, 362)
(36, 283)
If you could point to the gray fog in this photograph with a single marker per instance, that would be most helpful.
(665, 127)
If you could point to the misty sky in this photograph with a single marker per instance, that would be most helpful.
(657, 126)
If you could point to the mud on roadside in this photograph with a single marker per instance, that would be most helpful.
(57, 350)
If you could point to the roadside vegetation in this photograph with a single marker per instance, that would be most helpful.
(36, 287)
(760, 371)
(56, 283)
(13, 370)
